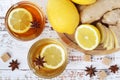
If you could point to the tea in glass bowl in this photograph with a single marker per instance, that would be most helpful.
(25, 21)
(47, 58)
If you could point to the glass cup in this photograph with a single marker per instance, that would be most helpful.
(35, 51)
(37, 23)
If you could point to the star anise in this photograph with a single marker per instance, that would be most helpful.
(14, 64)
(35, 24)
(91, 71)
(39, 62)
(114, 68)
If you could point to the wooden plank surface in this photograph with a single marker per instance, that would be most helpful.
(19, 50)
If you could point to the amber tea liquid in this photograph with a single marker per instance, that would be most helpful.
(35, 52)
(37, 15)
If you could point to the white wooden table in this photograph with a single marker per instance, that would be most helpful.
(19, 50)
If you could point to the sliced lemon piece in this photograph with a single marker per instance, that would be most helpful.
(54, 56)
(19, 20)
(87, 36)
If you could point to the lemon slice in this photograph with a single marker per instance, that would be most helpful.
(19, 20)
(54, 56)
(87, 36)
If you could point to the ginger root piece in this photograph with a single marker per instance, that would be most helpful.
(95, 11)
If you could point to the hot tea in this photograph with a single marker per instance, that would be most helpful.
(25, 21)
(47, 58)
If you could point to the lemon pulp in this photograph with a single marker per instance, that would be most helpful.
(19, 20)
(87, 36)
(54, 56)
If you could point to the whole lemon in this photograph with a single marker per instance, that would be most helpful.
(63, 15)
(84, 2)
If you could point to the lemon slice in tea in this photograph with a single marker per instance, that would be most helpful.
(54, 56)
(19, 20)
(87, 36)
